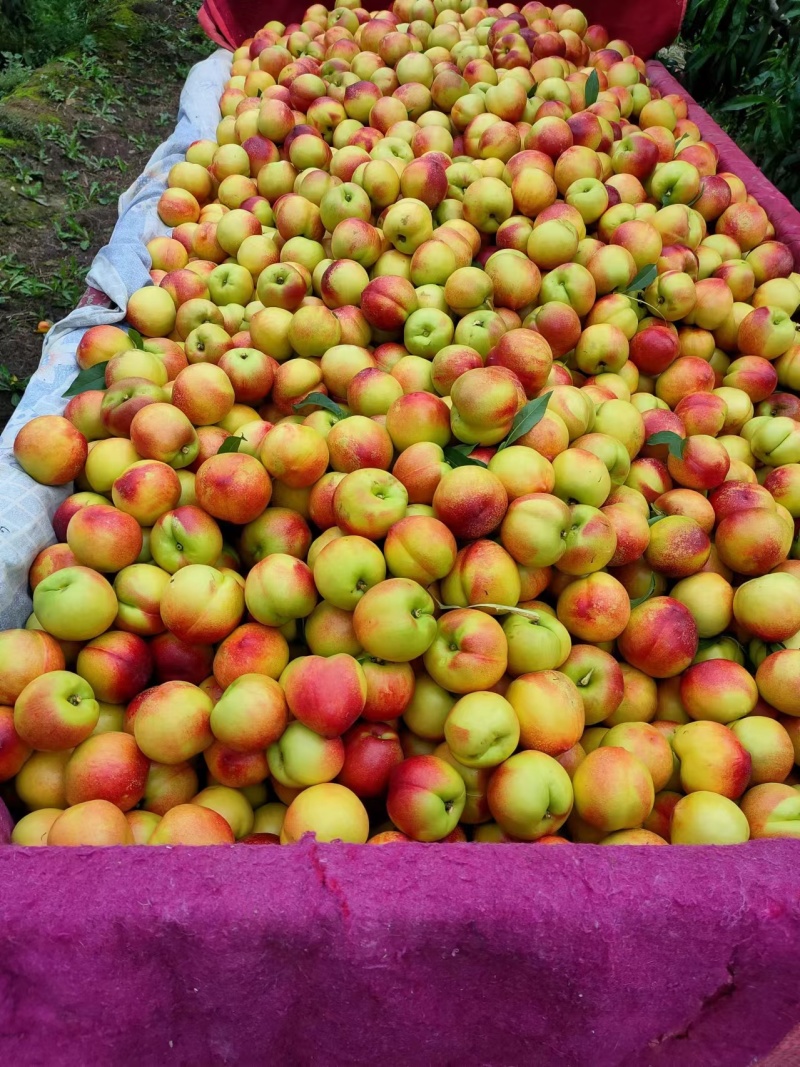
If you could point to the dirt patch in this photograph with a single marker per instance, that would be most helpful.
(73, 136)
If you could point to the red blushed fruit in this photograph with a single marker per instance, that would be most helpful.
(13, 750)
(67, 508)
(51, 559)
(471, 501)
(390, 687)
(661, 637)
(326, 694)
(387, 302)
(116, 665)
(260, 839)
(371, 752)
(657, 420)
(678, 546)
(527, 354)
(251, 649)
(753, 541)
(176, 661)
(233, 487)
(236, 769)
(704, 464)
(107, 767)
(654, 348)
(733, 497)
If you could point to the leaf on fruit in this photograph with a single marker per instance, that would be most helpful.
(136, 337)
(230, 444)
(532, 91)
(457, 457)
(498, 609)
(641, 599)
(526, 419)
(680, 141)
(645, 277)
(655, 518)
(91, 378)
(591, 89)
(320, 400)
(675, 444)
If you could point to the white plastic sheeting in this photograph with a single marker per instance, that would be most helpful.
(26, 508)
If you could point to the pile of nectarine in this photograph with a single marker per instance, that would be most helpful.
(446, 483)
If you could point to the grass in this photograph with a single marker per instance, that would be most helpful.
(88, 89)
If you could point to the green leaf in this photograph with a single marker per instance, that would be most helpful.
(645, 277)
(230, 444)
(498, 609)
(136, 337)
(591, 89)
(526, 418)
(739, 103)
(320, 400)
(641, 599)
(92, 378)
(655, 518)
(676, 445)
(456, 458)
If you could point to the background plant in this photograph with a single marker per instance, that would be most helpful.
(740, 59)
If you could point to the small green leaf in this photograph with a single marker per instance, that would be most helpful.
(591, 89)
(676, 445)
(91, 378)
(654, 519)
(641, 599)
(320, 400)
(526, 418)
(457, 458)
(230, 444)
(645, 277)
(136, 337)
(532, 91)
(498, 609)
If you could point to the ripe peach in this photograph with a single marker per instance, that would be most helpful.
(51, 450)
(24, 656)
(108, 767)
(660, 638)
(471, 501)
(613, 790)
(330, 812)
(168, 785)
(595, 608)
(192, 824)
(706, 818)
(770, 747)
(116, 665)
(251, 649)
(776, 678)
(550, 711)
(712, 758)
(94, 822)
(233, 487)
(172, 722)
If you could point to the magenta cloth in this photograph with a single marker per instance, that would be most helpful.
(407, 955)
(646, 26)
(785, 218)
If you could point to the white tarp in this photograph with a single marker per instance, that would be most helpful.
(119, 268)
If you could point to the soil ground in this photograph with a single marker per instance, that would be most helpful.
(73, 135)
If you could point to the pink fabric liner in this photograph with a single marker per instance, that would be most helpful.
(423, 955)
(785, 218)
(414, 954)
